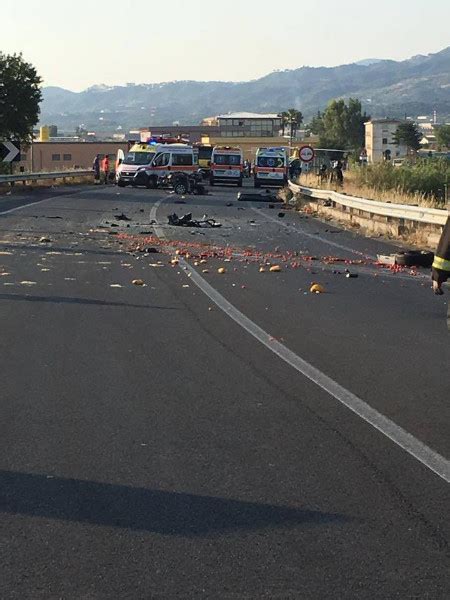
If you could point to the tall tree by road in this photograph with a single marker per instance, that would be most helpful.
(443, 136)
(293, 118)
(341, 126)
(409, 135)
(20, 95)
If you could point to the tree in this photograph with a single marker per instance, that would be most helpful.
(284, 117)
(293, 118)
(341, 126)
(316, 125)
(356, 132)
(409, 135)
(443, 136)
(20, 95)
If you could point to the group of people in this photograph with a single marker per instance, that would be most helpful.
(101, 169)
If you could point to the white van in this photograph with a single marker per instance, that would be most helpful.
(168, 158)
(227, 165)
(271, 166)
(138, 156)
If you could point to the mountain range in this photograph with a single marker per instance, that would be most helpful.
(391, 88)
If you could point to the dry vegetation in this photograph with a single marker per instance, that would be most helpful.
(390, 184)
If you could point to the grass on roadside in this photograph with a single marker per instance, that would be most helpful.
(354, 185)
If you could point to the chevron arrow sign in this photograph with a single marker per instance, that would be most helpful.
(9, 151)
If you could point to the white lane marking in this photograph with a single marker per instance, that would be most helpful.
(437, 463)
(313, 236)
(417, 449)
(153, 217)
(5, 212)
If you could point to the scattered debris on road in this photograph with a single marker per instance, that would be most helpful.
(187, 221)
(138, 282)
(316, 288)
(122, 217)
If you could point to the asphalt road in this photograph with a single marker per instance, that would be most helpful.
(154, 444)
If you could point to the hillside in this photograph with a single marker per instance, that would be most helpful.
(387, 88)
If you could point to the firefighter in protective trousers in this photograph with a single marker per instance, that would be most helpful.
(441, 263)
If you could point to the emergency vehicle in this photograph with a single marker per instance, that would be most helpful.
(271, 166)
(204, 152)
(227, 164)
(139, 155)
(167, 159)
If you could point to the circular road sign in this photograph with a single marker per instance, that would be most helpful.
(306, 154)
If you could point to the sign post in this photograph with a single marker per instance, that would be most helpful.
(306, 154)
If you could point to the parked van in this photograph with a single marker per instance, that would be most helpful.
(139, 155)
(271, 167)
(167, 159)
(227, 165)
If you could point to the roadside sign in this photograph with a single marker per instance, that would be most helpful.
(9, 152)
(306, 154)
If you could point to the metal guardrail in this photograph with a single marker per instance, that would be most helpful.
(432, 216)
(37, 176)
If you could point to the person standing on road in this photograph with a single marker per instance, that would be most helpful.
(339, 173)
(441, 263)
(96, 168)
(105, 168)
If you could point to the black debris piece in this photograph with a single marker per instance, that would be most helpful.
(254, 196)
(281, 214)
(122, 217)
(187, 221)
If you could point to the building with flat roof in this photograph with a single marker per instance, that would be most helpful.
(192, 133)
(63, 156)
(247, 124)
(380, 142)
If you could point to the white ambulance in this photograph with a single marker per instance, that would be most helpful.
(138, 156)
(271, 166)
(167, 159)
(227, 165)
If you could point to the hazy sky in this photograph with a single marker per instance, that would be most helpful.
(80, 43)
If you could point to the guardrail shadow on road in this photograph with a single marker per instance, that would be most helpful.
(142, 509)
(84, 301)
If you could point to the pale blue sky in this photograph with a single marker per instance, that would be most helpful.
(79, 43)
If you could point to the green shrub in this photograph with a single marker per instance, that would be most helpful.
(426, 177)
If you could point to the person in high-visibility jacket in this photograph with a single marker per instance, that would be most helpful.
(441, 263)
(105, 168)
